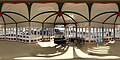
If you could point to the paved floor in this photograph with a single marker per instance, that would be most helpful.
(10, 50)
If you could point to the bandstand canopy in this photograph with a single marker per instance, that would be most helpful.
(51, 13)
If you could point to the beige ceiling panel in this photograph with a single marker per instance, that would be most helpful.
(98, 8)
(76, 17)
(79, 8)
(1, 20)
(59, 20)
(42, 17)
(85, 24)
(103, 17)
(108, 26)
(8, 20)
(39, 8)
(16, 17)
(118, 20)
(34, 24)
(1, 26)
(25, 24)
(49, 25)
(11, 26)
(93, 24)
(51, 19)
(19, 8)
(111, 19)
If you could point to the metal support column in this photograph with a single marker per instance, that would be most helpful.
(42, 31)
(29, 28)
(5, 31)
(114, 32)
(97, 33)
(102, 32)
(76, 30)
(89, 31)
(70, 32)
(65, 31)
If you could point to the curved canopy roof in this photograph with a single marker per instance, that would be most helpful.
(82, 14)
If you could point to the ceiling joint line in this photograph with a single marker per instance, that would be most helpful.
(115, 19)
(70, 17)
(10, 18)
(76, 14)
(42, 13)
(16, 14)
(109, 17)
(55, 19)
(48, 17)
(102, 14)
(63, 19)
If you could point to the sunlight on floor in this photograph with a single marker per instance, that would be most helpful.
(67, 55)
(85, 55)
(57, 53)
(46, 44)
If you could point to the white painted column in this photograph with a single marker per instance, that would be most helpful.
(22, 33)
(82, 32)
(112, 32)
(119, 32)
(72, 32)
(37, 31)
(93, 32)
(79, 32)
(18, 33)
(2, 33)
(25, 32)
(40, 31)
(52, 31)
(10, 33)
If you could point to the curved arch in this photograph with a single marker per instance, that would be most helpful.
(70, 17)
(1, 5)
(109, 17)
(103, 13)
(42, 13)
(29, 6)
(118, 4)
(10, 17)
(55, 19)
(77, 14)
(3, 20)
(49, 17)
(63, 19)
(16, 13)
(115, 19)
